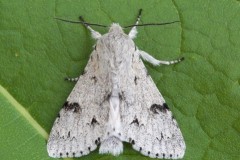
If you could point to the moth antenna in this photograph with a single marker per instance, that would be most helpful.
(82, 22)
(151, 24)
(95, 34)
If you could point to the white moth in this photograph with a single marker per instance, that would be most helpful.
(116, 101)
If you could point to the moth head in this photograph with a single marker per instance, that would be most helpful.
(115, 27)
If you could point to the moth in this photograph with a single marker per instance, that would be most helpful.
(116, 101)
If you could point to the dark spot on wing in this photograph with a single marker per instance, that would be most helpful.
(132, 57)
(89, 148)
(73, 154)
(165, 106)
(108, 96)
(73, 138)
(162, 136)
(94, 121)
(135, 121)
(60, 154)
(133, 142)
(68, 134)
(96, 142)
(94, 78)
(75, 107)
(156, 108)
(140, 149)
(120, 96)
(58, 115)
(67, 153)
(135, 80)
(65, 105)
(149, 152)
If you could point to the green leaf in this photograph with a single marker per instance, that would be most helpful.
(203, 92)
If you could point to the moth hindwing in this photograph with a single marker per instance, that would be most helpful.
(116, 101)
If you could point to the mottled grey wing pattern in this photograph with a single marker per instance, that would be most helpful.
(147, 121)
(80, 124)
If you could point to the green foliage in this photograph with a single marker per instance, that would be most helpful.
(203, 91)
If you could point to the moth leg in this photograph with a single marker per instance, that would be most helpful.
(71, 79)
(133, 32)
(95, 34)
(156, 62)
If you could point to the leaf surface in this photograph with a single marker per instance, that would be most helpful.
(38, 52)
